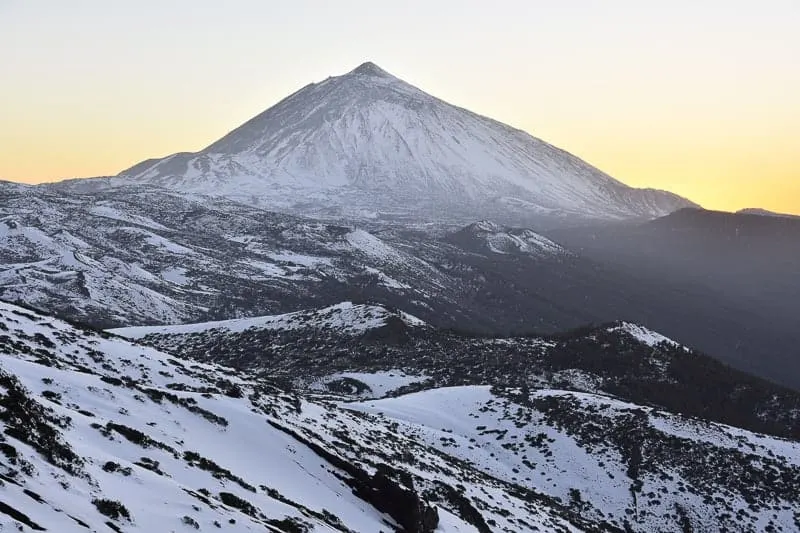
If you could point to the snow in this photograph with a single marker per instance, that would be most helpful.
(505, 240)
(60, 256)
(263, 455)
(372, 246)
(176, 275)
(14, 233)
(470, 438)
(487, 431)
(159, 241)
(287, 478)
(647, 336)
(345, 317)
(299, 259)
(115, 214)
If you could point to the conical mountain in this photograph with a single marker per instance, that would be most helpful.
(369, 143)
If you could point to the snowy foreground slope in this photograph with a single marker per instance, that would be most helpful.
(617, 461)
(367, 144)
(103, 434)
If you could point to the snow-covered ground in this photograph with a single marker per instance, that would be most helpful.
(512, 442)
(346, 318)
(88, 417)
(160, 437)
(643, 334)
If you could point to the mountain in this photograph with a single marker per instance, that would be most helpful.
(747, 265)
(101, 434)
(367, 144)
(489, 236)
(623, 359)
(345, 318)
(764, 213)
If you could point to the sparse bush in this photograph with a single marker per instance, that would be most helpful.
(111, 508)
(236, 502)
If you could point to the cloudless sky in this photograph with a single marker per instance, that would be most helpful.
(698, 97)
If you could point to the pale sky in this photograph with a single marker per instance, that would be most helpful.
(698, 97)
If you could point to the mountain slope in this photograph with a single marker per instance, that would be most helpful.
(99, 433)
(620, 359)
(144, 256)
(368, 144)
(617, 461)
(147, 256)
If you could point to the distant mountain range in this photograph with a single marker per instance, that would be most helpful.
(368, 145)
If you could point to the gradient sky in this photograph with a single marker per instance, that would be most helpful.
(700, 97)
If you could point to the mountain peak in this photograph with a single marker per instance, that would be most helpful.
(372, 140)
(370, 69)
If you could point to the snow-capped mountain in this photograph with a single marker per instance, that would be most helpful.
(367, 144)
(99, 433)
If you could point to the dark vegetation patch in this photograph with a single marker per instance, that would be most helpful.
(232, 500)
(187, 403)
(111, 508)
(112, 467)
(290, 525)
(324, 516)
(32, 495)
(19, 516)
(348, 385)
(135, 436)
(381, 490)
(150, 464)
(196, 460)
(28, 421)
(79, 522)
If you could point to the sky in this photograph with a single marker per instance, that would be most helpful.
(699, 97)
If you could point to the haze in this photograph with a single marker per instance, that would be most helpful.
(698, 99)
